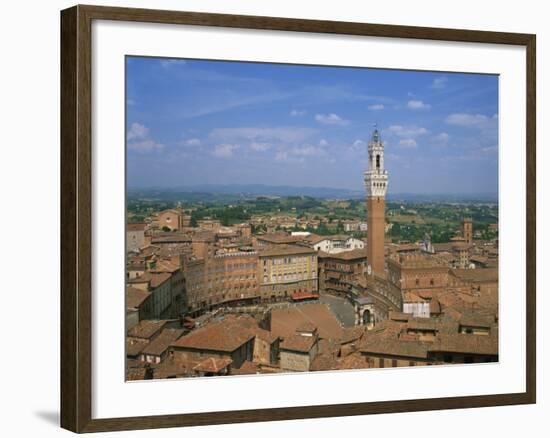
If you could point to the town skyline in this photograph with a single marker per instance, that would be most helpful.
(197, 123)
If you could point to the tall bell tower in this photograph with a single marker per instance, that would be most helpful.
(376, 184)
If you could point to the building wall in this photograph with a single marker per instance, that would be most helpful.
(337, 275)
(294, 361)
(467, 231)
(332, 246)
(161, 300)
(264, 352)
(281, 276)
(419, 310)
(240, 355)
(379, 361)
(410, 279)
(135, 240)
(443, 357)
(169, 219)
(375, 233)
(221, 279)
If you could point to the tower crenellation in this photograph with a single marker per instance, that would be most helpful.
(376, 177)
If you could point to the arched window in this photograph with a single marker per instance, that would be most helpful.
(378, 161)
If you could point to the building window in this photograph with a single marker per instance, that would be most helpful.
(378, 161)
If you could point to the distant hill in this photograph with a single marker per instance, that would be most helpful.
(248, 190)
(212, 193)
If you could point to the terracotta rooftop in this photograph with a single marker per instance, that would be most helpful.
(146, 328)
(136, 373)
(399, 316)
(418, 261)
(352, 334)
(354, 361)
(280, 238)
(353, 254)
(171, 238)
(306, 327)
(136, 227)
(298, 343)
(135, 297)
(477, 275)
(165, 266)
(247, 367)
(285, 321)
(466, 343)
(281, 250)
(396, 348)
(154, 279)
(213, 365)
(161, 343)
(135, 346)
(223, 335)
(323, 362)
(174, 366)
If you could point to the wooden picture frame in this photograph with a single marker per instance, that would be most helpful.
(76, 217)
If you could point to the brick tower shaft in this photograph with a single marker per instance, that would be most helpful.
(375, 233)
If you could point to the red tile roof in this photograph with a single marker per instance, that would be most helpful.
(225, 335)
(213, 365)
(146, 328)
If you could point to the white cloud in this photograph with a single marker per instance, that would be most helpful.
(145, 145)
(408, 143)
(489, 149)
(281, 156)
(298, 113)
(411, 131)
(259, 147)
(376, 107)
(137, 131)
(193, 142)
(262, 135)
(331, 119)
(463, 119)
(307, 150)
(224, 150)
(298, 154)
(440, 82)
(138, 139)
(213, 106)
(357, 145)
(443, 137)
(323, 142)
(167, 63)
(417, 104)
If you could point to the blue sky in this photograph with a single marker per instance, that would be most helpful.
(193, 122)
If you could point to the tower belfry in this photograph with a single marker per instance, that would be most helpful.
(376, 184)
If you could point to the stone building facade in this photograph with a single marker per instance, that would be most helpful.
(288, 272)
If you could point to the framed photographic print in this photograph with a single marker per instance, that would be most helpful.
(269, 218)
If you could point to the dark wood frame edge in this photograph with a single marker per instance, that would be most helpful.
(76, 191)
